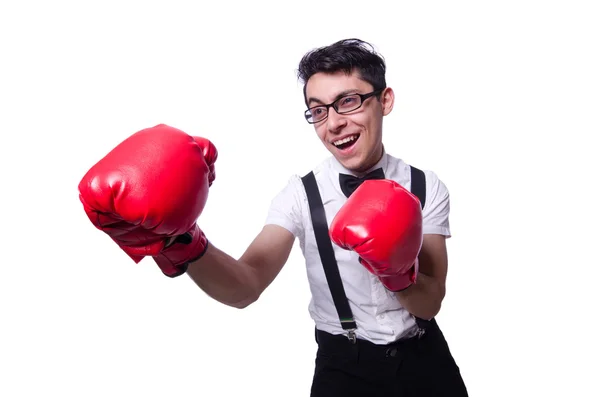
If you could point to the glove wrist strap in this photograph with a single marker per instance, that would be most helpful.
(186, 248)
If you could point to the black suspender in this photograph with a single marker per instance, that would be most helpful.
(332, 274)
(417, 184)
(418, 188)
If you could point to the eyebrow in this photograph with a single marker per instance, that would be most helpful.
(338, 96)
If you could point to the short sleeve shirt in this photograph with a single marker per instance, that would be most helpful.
(379, 316)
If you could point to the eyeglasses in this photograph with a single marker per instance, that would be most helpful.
(343, 105)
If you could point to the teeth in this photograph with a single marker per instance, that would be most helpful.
(345, 140)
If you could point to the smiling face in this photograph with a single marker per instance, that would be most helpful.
(355, 138)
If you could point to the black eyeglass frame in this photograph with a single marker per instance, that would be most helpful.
(363, 98)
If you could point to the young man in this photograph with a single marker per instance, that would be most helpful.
(389, 248)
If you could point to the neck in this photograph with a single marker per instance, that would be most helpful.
(371, 163)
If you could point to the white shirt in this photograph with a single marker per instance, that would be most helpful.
(379, 316)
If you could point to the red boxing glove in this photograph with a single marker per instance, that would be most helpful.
(382, 222)
(151, 187)
(210, 156)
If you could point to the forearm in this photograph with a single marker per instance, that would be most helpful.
(423, 299)
(225, 279)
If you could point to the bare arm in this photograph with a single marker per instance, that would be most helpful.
(238, 283)
(424, 299)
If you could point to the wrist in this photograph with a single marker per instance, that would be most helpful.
(179, 251)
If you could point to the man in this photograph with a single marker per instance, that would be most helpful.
(388, 250)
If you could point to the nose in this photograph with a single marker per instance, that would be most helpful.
(335, 121)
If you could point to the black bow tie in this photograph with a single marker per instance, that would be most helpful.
(349, 183)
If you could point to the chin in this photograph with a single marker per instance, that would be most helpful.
(353, 164)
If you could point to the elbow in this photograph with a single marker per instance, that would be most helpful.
(436, 302)
(251, 293)
(429, 312)
(435, 309)
(244, 303)
(436, 305)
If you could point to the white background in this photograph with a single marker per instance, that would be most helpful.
(500, 99)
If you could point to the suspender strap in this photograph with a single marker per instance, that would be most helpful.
(417, 184)
(319, 221)
(418, 188)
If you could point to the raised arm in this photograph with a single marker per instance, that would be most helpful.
(147, 194)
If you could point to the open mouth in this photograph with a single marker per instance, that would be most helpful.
(346, 143)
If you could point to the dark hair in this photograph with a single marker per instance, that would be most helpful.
(345, 55)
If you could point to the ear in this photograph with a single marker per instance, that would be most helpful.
(387, 100)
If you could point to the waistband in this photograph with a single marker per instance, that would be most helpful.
(341, 346)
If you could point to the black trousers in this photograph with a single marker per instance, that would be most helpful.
(420, 367)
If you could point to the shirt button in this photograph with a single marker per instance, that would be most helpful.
(382, 316)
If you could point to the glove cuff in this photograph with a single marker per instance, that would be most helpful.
(173, 261)
(402, 281)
